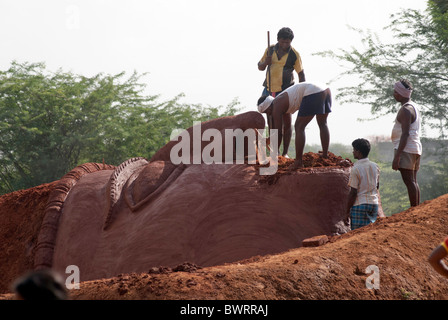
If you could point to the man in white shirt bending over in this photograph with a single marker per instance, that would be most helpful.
(310, 100)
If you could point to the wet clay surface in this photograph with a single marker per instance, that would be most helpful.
(206, 215)
(21, 215)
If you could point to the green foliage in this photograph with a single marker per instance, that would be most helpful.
(432, 176)
(419, 53)
(50, 122)
(439, 13)
(394, 196)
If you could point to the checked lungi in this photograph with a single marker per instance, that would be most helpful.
(363, 215)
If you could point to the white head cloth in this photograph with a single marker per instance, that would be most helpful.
(265, 104)
(402, 90)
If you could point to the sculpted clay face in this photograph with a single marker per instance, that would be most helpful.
(145, 214)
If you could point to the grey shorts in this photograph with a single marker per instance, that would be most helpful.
(408, 161)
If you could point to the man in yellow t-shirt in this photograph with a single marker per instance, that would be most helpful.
(281, 60)
(310, 100)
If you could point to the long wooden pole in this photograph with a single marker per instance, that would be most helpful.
(269, 67)
(269, 118)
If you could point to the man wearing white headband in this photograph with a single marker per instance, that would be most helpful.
(310, 100)
(281, 60)
(406, 139)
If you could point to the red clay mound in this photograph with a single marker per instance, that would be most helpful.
(157, 230)
(311, 163)
(21, 215)
(148, 213)
(398, 246)
(160, 214)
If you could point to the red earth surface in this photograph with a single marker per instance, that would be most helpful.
(337, 270)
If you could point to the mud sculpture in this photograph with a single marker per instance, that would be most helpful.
(53, 210)
(248, 120)
(144, 214)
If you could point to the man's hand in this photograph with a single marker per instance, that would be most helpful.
(395, 162)
(381, 213)
(266, 62)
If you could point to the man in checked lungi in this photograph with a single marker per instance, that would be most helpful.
(364, 203)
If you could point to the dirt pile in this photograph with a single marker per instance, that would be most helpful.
(397, 245)
(149, 230)
(21, 215)
(142, 215)
(311, 162)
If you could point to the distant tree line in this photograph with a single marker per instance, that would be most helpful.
(418, 53)
(50, 122)
(432, 177)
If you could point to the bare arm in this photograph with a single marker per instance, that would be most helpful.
(287, 132)
(351, 199)
(302, 76)
(279, 108)
(380, 206)
(435, 259)
(405, 118)
(266, 62)
(277, 124)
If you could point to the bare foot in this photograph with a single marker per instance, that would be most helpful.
(323, 155)
(296, 165)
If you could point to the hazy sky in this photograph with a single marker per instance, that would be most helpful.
(206, 49)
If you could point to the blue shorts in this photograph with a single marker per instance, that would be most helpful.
(363, 215)
(317, 103)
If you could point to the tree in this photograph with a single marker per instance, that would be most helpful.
(50, 122)
(419, 54)
(439, 14)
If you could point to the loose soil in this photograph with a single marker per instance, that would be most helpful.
(311, 162)
(398, 245)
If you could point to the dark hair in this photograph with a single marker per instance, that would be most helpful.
(285, 33)
(406, 84)
(362, 145)
(41, 285)
(261, 100)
